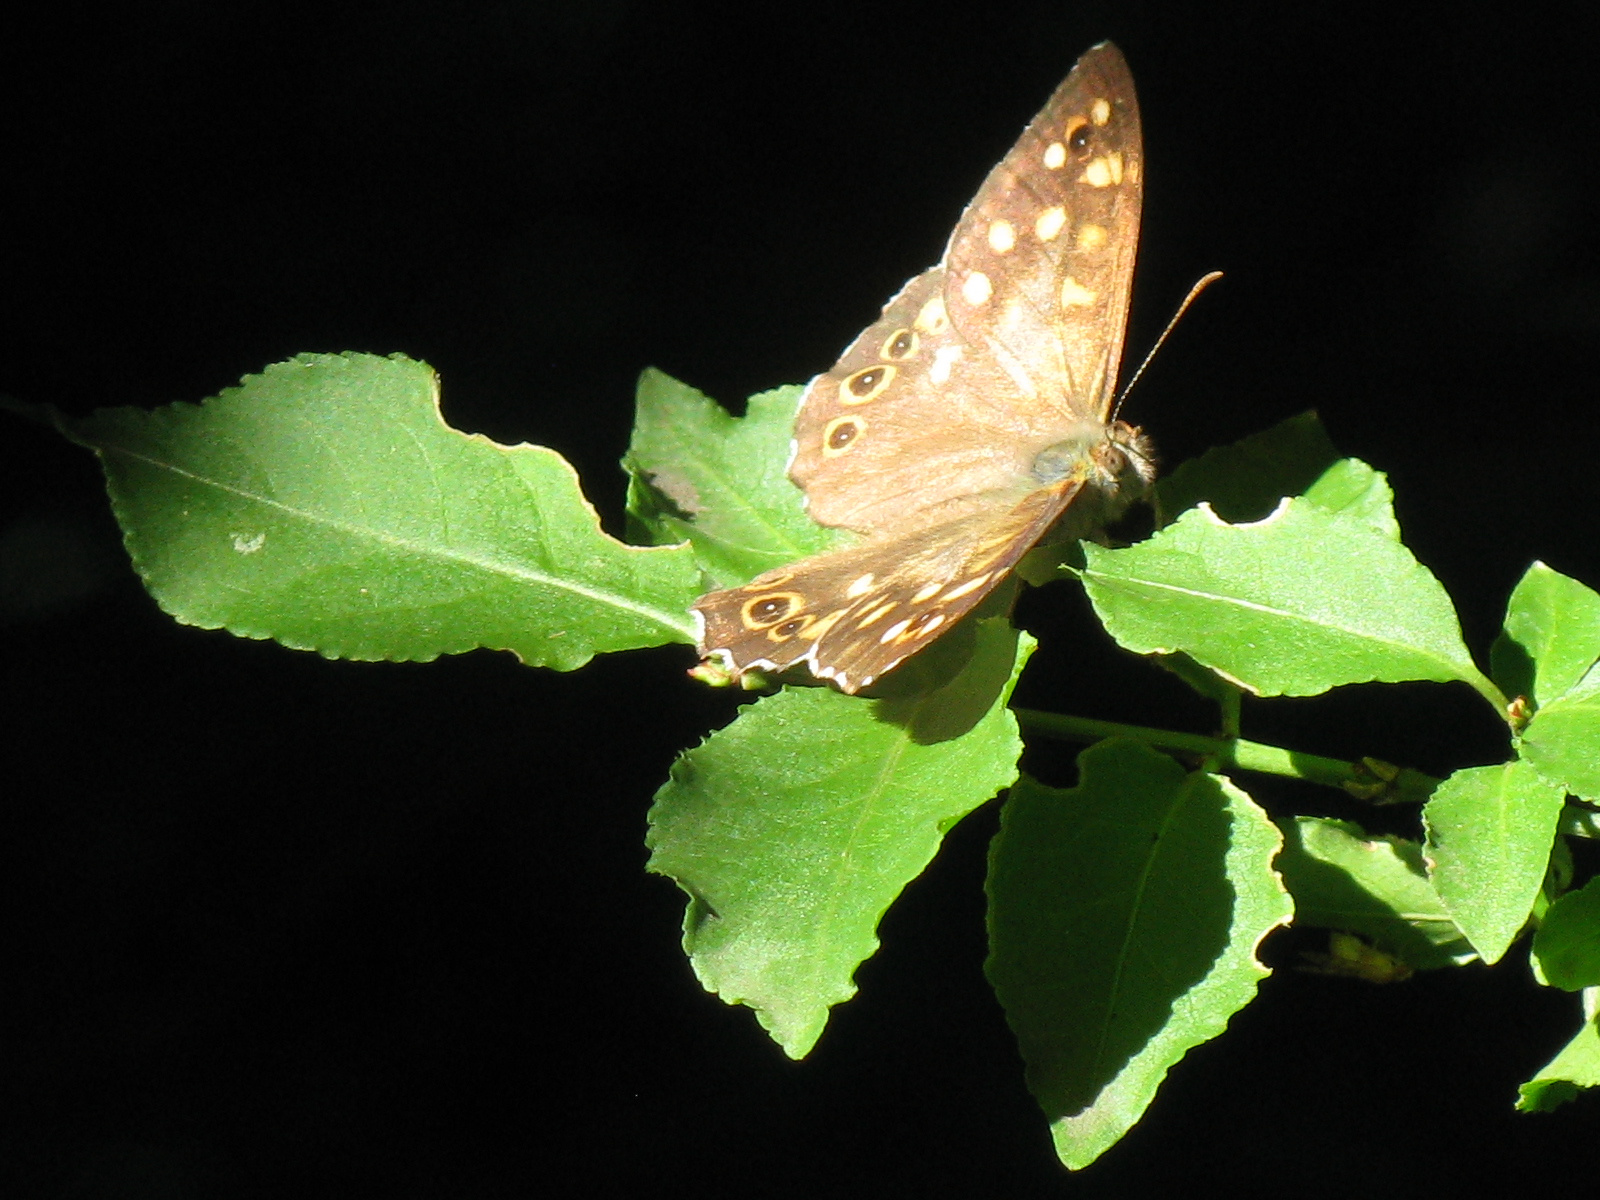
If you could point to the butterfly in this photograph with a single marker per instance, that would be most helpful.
(973, 415)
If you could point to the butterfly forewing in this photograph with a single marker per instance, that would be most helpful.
(961, 423)
(1007, 345)
(1040, 266)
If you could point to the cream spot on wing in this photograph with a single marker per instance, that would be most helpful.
(818, 628)
(944, 358)
(861, 586)
(893, 632)
(970, 585)
(1091, 237)
(976, 288)
(1049, 223)
(926, 592)
(1100, 111)
(1097, 173)
(1002, 237)
(1055, 156)
(1075, 295)
(1114, 161)
(933, 318)
(876, 614)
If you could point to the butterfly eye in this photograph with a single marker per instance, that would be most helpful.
(901, 345)
(787, 630)
(840, 432)
(865, 385)
(764, 611)
(1078, 134)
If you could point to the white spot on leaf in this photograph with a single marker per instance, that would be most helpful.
(248, 543)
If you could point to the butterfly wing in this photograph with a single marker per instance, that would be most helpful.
(972, 413)
(1009, 345)
(854, 614)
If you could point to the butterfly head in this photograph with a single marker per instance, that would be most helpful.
(1113, 464)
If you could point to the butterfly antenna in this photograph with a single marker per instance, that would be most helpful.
(1201, 285)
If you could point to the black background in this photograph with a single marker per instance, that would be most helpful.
(278, 926)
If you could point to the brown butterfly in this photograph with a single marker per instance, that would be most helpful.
(973, 414)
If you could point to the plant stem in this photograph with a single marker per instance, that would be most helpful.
(1405, 786)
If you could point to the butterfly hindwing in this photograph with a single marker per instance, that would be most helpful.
(877, 607)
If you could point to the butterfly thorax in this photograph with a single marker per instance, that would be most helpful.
(1114, 464)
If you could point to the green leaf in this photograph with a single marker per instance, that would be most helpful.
(1569, 1072)
(719, 481)
(1551, 636)
(1375, 886)
(1245, 481)
(1124, 915)
(1563, 739)
(1351, 487)
(1567, 945)
(325, 504)
(1295, 604)
(1490, 830)
(794, 828)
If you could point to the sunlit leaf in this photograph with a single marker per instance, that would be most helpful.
(1577, 1067)
(325, 504)
(1489, 835)
(1551, 636)
(1294, 604)
(794, 828)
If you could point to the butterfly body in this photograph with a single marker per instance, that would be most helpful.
(974, 414)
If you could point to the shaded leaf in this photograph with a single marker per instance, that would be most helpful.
(1375, 886)
(1245, 481)
(698, 474)
(1567, 945)
(1124, 916)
